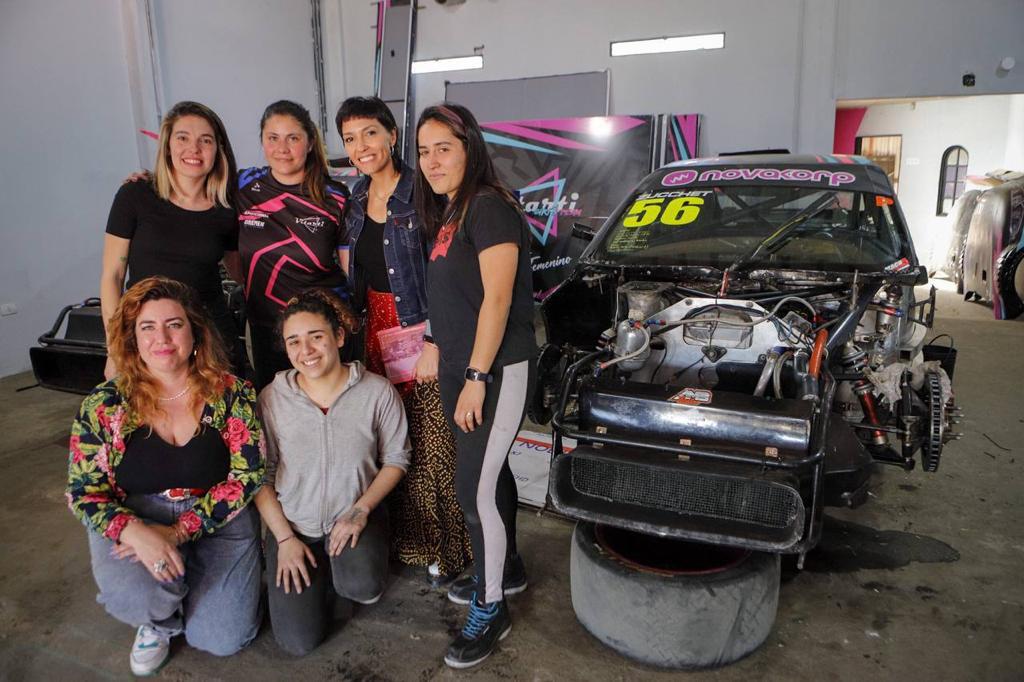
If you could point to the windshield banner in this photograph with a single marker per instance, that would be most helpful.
(570, 170)
(853, 177)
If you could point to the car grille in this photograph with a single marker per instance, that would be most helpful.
(733, 499)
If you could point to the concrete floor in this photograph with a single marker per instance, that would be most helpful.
(921, 583)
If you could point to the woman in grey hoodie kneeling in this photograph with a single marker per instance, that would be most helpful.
(337, 444)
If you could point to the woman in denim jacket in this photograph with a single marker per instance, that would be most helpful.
(384, 256)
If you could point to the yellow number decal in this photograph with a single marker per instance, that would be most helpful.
(682, 210)
(642, 213)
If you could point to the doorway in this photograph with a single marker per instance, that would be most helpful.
(883, 150)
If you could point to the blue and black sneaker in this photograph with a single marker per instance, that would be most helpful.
(461, 591)
(485, 626)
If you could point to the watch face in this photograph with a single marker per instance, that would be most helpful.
(477, 375)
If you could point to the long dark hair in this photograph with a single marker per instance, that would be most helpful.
(370, 107)
(479, 175)
(314, 183)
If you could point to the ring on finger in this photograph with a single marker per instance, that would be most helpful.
(160, 566)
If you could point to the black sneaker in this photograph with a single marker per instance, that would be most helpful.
(485, 626)
(461, 591)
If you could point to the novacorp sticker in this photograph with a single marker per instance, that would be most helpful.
(689, 175)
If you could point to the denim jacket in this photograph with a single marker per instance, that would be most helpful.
(405, 248)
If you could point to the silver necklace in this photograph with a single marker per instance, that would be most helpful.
(174, 397)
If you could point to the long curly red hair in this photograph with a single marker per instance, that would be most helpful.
(208, 365)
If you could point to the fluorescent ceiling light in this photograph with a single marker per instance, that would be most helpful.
(705, 41)
(449, 64)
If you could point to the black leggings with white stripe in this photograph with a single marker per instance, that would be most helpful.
(483, 481)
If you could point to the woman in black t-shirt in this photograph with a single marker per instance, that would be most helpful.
(480, 304)
(181, 223)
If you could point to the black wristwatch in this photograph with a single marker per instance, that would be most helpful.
(476, 375)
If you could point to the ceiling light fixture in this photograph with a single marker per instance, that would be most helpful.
(704, 41)
(448, 64)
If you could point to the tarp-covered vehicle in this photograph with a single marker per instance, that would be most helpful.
(735, 349)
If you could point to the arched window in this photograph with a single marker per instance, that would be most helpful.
(952, 176)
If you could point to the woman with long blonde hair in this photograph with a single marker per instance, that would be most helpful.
(180, 223)
(163, 462)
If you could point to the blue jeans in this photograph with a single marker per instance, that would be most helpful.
(216, 603)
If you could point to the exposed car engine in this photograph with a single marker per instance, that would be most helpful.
(771, 343)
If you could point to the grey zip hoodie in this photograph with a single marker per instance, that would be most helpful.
(320, 463)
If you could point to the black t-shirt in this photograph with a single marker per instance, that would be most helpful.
(172, 241)
(151, 465)
(455, 290)
(370, 255)
(287, 242)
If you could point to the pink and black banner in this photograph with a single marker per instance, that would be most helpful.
(577, 170)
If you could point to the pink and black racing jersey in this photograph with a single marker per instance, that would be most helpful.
(288, 243)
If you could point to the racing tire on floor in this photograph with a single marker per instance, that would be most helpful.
(1008, 277)
(683, 617)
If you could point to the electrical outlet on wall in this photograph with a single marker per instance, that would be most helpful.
(8, 309)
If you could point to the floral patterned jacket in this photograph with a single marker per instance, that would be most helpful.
(97, 445)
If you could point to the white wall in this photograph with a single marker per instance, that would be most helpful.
(68, 140)
(981, 125)
(1015, 134)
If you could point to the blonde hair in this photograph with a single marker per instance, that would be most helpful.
(220, 181)
(208, 364)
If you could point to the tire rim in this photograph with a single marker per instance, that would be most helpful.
(666, 556)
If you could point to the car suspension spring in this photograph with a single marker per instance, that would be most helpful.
(855, 361)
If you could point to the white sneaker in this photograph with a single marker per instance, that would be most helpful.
(149, 651)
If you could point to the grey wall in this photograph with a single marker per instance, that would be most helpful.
(78, 84)
(916, 48)
(68, 140)
(746, 92)
(236, 56)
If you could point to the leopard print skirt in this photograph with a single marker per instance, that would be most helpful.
(427, 521)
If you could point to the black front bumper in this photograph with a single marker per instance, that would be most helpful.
(660, 494)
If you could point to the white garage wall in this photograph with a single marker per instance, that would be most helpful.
(68, 140)
(981, 125)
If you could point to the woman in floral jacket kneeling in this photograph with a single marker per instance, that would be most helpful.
(164, 460)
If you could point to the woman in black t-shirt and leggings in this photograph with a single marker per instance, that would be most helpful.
(481, 314)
